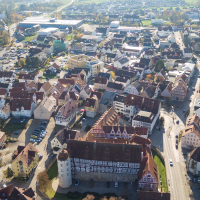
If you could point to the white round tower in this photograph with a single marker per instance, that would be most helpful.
(64, 169)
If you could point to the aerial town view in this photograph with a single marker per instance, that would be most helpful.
(100, 100)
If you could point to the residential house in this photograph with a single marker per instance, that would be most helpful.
(5, 111)
(191, 134)
(121, 62)
(130, 74)
(2, 138)
(148, 177)
(133, 88)
(151, 92)
(179, 89)
(118, 104)
(11, 192)
(77, 48)
(61, 138)
(187, 52)
(54, 97)
(52, 69)
(167, 92)
(107, 49)
(7, 76)
(85, 92)
(161, 75)
(193, 162)
(115, 87)
(111, 57)
(66, 113)
(33, 87)
(100, 83)
(22, 107)
(122, 80)
(3, 93)
(87, 72)
(92, 104)
(46, 88)
(90, 48)
(44, 109)
(106, 101)
(25, 160)
(106, 75)
(27, 78)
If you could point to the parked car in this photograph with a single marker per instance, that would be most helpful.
(177, 121)
(77, 182)
(198, 180)
(22, 120)
(52, 155)
(176, 135)
(34, 136)
(170, 162)
(32, 140)
(16, 133)
(116, 184)
(40, 157)
(84, 119)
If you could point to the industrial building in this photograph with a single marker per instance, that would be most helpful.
(46, 22)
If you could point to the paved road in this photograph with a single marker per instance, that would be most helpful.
(177, 176)
(179, 40)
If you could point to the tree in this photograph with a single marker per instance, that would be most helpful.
(43, 181)
(28, 60)
(159, 65)
(9, 172)
(5, 37)
(21, 62)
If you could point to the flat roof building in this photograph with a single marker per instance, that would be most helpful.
(46, 22)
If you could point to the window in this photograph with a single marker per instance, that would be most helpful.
(67, 174)
(61, 165)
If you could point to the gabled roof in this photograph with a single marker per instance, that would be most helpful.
(137, 86)
(123, 60)
(97, 94)
(47, 86)
(195, 154)
(121, 79)
(105, 75)
(65, 134)
(25, 154)
(148, 166)
(97, 151)
(101, 80)
(19, 103)
(117, 86)
(27, 76)
(151, 195)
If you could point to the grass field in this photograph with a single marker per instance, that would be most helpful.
(29, 38)
(193, 2)
(146, 22)
(161, 170)
(10, 127)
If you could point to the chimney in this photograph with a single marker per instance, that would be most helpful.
(141, 156)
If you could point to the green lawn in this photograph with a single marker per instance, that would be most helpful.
(161, 170)
(68, 37)
(50, 76)
(91, 1)
(12, 127)
(29, 38)
(146, 22)
(53, 173)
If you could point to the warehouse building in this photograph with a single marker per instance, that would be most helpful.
(45, 22)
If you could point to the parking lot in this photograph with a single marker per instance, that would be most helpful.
(129, 189)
